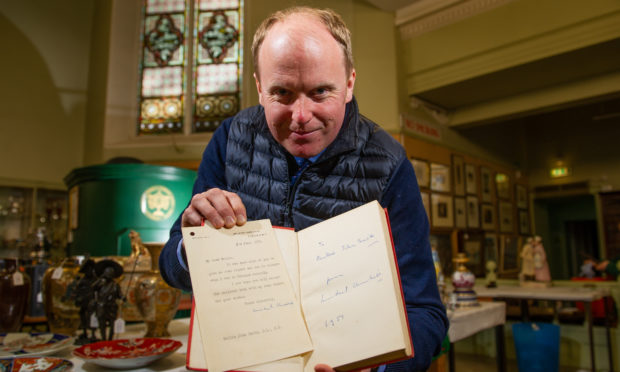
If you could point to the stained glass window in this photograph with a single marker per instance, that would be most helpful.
(215, 68)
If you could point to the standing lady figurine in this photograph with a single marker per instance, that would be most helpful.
(541, 266)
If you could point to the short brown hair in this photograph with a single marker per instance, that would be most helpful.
(332, 21)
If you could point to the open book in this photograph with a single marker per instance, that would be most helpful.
(272, 299)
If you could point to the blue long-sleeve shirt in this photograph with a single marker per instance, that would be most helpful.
(410, 230)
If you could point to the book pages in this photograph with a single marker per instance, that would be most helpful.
(247, 309)
(347, 288)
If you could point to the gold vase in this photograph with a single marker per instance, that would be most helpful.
(63, 316)
(156, 300)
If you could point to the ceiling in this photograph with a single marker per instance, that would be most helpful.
(576, 65)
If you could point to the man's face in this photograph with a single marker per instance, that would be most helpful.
(303, 85)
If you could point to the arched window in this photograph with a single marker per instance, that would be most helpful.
(191, 65)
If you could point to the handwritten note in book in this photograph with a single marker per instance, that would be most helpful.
(347, 277)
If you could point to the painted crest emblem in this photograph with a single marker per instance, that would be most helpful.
(157, 203)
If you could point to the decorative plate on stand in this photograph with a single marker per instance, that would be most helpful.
(35, 364)
(21, 344)
(127, 353)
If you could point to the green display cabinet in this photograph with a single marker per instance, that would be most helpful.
(107, 201)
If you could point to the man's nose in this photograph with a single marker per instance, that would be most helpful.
(301, 110)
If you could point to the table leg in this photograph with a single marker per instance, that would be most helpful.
(501, 350)
(588, 306)
(608, 334)
(451, 368)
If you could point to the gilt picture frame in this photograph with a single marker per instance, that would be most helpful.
(422, 172)
(441, 211)
(440, 177)
(458, 174)
(471, 179)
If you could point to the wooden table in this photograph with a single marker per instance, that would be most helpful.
(465, 322)
(582, 294)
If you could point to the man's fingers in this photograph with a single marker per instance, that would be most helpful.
(237, 206)
(221, 208)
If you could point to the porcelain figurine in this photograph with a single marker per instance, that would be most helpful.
(491, 277)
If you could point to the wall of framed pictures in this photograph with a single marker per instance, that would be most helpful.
(483, 206)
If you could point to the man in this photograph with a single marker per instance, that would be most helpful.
(306, 154)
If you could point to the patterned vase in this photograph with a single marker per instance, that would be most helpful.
(156, 300)
(463, 282)
(14, 293)
(63, 316)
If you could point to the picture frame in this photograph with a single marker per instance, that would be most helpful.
(460, 213)
(426, 202)
(442, 243)
(458, 174)
(472, 244)
(488, 221)
(502, 185)
(524, 222)
(509, 255)
(521, 196)
(505, 216)
(441, 210)
(491, 248)
(486, 185)
(473, 212)
(471, 179)
(440, 177)
(422, 172)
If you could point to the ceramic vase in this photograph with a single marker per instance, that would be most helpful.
(463, 282)
(63, 316)
(156, 300)
(14, 293)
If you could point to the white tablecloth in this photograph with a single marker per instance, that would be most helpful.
(178, 328)
(465, 322)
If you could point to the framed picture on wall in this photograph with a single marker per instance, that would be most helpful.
(509, 255)
(440, 177)
(442, 243)
(487, 214)
(486, 185)
(441, 210)
(502, 184)
(460, 216)
(426, 201)
(422, 172)
(471, 179)
(524, 223)
(505, 217)
(490, 248)
(472, 243)
(473, 212)
(458, 174)
(521, 196)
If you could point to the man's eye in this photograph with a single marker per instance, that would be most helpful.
(280, 92)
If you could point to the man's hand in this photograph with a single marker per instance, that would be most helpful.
(221, 208)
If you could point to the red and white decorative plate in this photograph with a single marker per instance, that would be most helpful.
(127, 353)
(21, 344)
(36, 364)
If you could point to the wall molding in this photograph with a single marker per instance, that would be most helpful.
(428, 15)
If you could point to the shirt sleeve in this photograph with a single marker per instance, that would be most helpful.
(211, 173)
(410, 230)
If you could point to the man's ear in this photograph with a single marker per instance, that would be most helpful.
(350, 85)
(258, 89)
